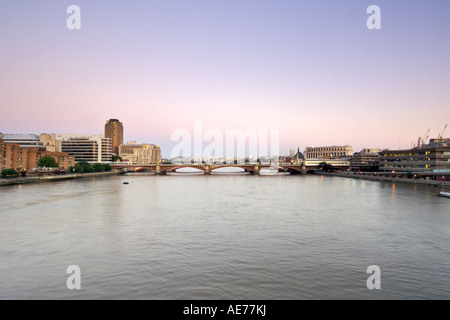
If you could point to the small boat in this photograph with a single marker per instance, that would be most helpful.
(444, 194)
(126, 183)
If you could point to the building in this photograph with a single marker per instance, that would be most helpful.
(341, 164)
(25, 157)
(23, 140)
(50, 142)
(140, 153)
(328, 153)
(298, 157)
(364, 159)
(433, 157)
(114, 131)
(64, 160)
(292, 153)
(17, 157)
(294, 157)
(89, 148)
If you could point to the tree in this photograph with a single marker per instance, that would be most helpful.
(326, 167)
(88, 169)
(78, 168)
(48, 162)
(116, 158)
(98, 167)
(9, 173)
(83, 167)
(107, 167)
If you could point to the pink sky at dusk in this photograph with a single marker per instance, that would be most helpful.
(319, 76)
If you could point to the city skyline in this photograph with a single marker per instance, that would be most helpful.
(422, 139)
(314, 72)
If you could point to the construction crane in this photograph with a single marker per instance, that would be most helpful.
(421, 141)
(441, 136)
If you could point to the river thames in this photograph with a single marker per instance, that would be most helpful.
(223, 237)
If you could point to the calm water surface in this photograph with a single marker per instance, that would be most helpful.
(223, 237)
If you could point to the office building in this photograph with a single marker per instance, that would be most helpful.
(433, 157)
(328, 153)
(365, 159)
(89, 148)
(114, 131)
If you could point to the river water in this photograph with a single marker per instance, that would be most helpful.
(223, 237)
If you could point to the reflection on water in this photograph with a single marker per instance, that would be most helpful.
(223, 237)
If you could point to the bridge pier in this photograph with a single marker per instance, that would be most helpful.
(256, 169)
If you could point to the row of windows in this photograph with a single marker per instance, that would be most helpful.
(328, 149)
(409, 167)
(317, 155)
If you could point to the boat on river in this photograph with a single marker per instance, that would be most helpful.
(444, 194)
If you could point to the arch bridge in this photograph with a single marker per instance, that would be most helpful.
(206, 167)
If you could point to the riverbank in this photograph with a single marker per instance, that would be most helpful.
(53, 178)
(372, 177)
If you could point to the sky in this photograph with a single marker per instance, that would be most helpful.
(308, 68)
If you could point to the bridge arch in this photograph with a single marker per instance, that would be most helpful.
(292, 169)
(176, 167)
(222, 169)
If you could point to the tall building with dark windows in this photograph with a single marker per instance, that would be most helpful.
(114, 131)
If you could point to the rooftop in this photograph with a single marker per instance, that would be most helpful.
(20, 137)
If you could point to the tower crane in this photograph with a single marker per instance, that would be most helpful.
(441, 136)
(421, 141)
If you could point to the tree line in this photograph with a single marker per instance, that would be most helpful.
(50, 162)
(84, 167)
(80, 167)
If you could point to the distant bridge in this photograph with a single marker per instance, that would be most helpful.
(208, 168)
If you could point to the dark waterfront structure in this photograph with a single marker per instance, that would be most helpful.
(433, 157)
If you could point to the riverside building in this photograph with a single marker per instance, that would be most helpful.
(326, 153)
(365, 158)
(140, 153)
(22, 153)
(433, 157)
(89, 148)
(337, 156)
